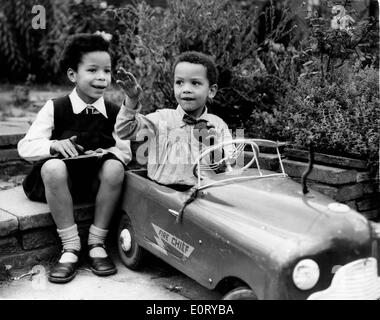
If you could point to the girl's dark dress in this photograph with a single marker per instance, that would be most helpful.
(93, 131)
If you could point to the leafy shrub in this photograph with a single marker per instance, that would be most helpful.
(80, 16)
(333, 95)
(19, 43)
(330, 45)
(218, 28)
(27, 51)
(342, 117)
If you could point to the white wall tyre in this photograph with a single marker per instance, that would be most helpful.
(131, 254)
(240, 293)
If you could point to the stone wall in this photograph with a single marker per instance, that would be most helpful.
(346, 182)
(10, 162)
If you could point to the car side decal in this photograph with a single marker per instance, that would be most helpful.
(174, 242)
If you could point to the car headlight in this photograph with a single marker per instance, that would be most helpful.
(306, 274)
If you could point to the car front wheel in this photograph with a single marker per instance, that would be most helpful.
(131, 254)
(240, 293)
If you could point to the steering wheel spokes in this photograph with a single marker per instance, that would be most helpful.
(239, 155)
(238, 150)
(209, 167)
(233, 162)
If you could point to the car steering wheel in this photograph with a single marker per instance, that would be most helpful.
(230, 161)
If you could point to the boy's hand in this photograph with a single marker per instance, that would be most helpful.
(67, 147)
(128, 83)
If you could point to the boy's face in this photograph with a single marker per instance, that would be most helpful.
(192, 88)
(93, 75)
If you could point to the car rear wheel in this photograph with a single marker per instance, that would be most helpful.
(131, 254)
(240, 293)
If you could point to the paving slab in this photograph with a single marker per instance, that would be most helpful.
(31, 214)
(155, 281)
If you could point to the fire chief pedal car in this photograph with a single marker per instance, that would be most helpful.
(249, 232)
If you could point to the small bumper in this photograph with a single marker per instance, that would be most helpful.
(357, 280)
(375, 230)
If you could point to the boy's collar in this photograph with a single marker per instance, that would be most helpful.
(182, 112)
(79, 105)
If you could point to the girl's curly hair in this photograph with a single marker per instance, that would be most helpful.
(78, 45)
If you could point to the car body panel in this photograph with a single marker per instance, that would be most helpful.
(254, 230)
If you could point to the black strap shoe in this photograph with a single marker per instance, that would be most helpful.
(101, 266)
(64, 272)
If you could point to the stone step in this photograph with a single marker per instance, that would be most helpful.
(31, 214)
(11, 182)
(321, 173)
(320, 158)
(14, 168)
(10, 162)
(343, 193)
(27, 231)
(10, 139)
(9, 155)
(8, 223)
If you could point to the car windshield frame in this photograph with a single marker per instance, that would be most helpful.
(236, 175)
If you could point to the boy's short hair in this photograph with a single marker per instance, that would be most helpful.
(199, 58)
(78, 45)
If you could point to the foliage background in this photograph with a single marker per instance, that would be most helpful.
(281, 77)
(297, 83)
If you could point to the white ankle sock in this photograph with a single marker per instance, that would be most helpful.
(97, 236)
(70, 240)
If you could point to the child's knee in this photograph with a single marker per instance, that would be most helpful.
(54, 171)
(112, 172)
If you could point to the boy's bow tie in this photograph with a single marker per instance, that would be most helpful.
(91, 110)
(191, 120)
(198, 123)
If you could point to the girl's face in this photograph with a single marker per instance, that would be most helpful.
(192, 88)
(93, 75)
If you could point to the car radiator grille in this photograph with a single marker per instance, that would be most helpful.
(357, 280)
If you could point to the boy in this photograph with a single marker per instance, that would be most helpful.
(172, 149)
(80, 123)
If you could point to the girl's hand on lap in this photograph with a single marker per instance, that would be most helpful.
(67, 148)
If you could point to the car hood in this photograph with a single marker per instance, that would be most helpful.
(273, 215)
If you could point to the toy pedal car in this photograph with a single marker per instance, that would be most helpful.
(251, 233)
